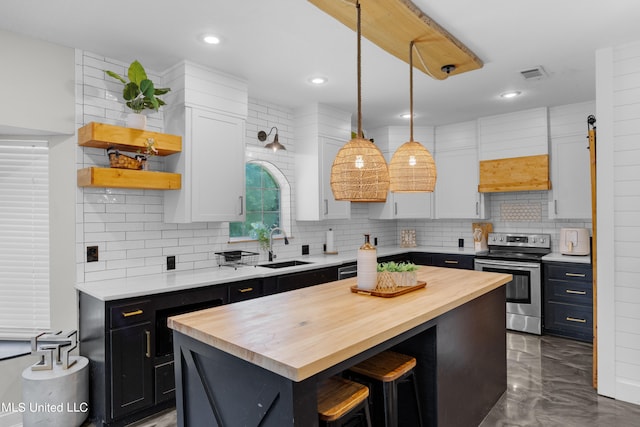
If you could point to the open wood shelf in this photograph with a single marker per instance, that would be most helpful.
(102, 135)
(128, 178)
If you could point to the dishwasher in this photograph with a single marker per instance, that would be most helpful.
(346, 271)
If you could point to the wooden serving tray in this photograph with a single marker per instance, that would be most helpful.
(389, 294)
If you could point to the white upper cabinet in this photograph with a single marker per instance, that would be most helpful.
(518, 134)
(209, 109)
(456, 193)
(402, 205)
(320, 132)
(570, 195)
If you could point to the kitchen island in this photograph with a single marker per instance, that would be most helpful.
(257, 362)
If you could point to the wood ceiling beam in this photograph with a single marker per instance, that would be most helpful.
(393, 24)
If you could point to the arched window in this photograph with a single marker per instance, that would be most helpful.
(263, 203)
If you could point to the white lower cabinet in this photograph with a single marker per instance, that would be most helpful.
(212, 164)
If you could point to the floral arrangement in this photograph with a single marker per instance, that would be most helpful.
(150, 147)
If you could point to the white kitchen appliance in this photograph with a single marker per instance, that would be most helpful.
(574, 241)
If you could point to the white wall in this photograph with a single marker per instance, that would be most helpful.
(56, 118)
(38, 79)
(618, 275)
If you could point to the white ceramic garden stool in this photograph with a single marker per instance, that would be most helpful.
(57, 397)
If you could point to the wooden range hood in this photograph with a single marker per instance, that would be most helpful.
(393, 24)
(526, 173)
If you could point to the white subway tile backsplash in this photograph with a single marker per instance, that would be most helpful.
(92, 276)
(124, 244)
(124, 263)
(144, 235)
(144, 271)
(103, 217)
(124, 208)
(129, 223)
(144, 253)
(161, 243)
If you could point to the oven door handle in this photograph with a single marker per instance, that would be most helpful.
(498, 263)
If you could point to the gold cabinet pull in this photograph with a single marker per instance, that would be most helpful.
(574, 319)
(132, 313)
(446, 261)
(571, 291)
(575, 274)
(244, 290)
(148, 336)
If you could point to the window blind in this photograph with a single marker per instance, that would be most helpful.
(24, 235)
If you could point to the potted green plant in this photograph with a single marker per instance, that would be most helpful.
(260, 232)
(392, 275)
(139, 93)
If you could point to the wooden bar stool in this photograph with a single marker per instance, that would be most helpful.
(339, 399)
(388, 369)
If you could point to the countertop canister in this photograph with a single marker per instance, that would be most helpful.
(366, 265)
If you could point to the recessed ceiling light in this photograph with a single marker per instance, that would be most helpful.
(510, 94)
(318, 80)
(406, 115)
(211, 39)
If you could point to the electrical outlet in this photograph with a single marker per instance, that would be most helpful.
(305, 249)
(92, 253)
(171, 262)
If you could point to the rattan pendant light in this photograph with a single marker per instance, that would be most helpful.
(359, 172)
(412, 168)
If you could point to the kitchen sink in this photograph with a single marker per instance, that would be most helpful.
(283, 264)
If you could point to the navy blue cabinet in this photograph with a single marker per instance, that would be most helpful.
(568, 295)
(443, 260)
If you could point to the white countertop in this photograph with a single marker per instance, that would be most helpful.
(558, 257)
(114, 289)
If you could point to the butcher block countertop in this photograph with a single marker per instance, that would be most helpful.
(300, 333)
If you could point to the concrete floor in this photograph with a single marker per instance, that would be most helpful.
(548, 384)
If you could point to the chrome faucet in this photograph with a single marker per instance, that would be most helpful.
(286, 241)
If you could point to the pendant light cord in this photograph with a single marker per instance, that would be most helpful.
(411, 90)
(360, 133)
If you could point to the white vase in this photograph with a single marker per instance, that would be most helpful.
(136, 121)
(367, 262)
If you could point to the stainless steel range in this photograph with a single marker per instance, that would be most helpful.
(519, 255)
